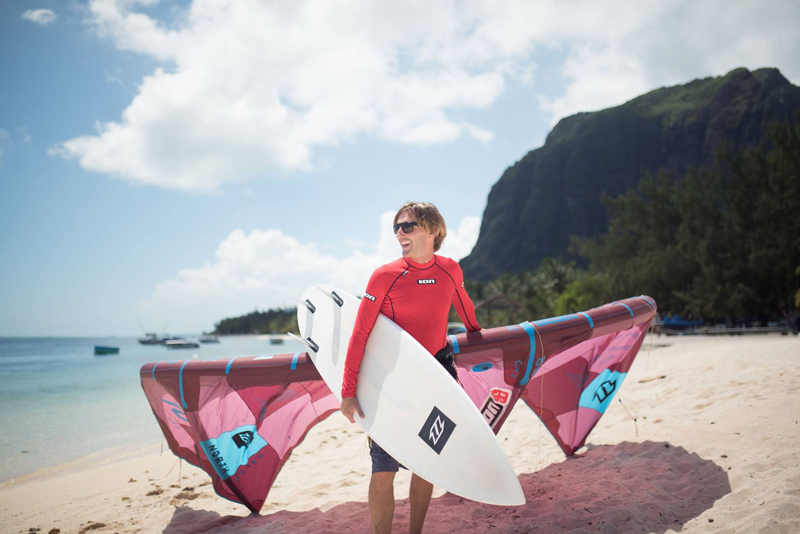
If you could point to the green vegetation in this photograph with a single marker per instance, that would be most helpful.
(679, 104)
(720, 243)
(535, 294)
(264, 322)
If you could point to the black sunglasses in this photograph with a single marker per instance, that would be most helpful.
(407, 227)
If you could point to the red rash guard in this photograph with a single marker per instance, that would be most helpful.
(417, 297)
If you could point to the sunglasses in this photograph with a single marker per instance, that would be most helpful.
(407, 227)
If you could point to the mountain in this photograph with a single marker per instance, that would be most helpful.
(554, 191)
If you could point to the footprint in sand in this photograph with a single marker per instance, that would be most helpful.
(91, 526)
(182, 497)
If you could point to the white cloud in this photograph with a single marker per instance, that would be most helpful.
(632, 48)
(263, 268)
(42, 17)
(114, 77)
(353, 242)
(251, 87)
(26, 136)
(460, 241)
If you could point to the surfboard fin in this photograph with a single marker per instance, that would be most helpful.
(308, 342)
(336, 298)
(307, 303)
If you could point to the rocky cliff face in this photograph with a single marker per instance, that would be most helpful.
(554, 191)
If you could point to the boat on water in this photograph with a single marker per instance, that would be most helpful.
(100, 350)
(151, 339)
(274, 338)
(155, 339)
(209, 339)
(181, 344)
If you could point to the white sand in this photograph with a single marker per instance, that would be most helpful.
(716, 451)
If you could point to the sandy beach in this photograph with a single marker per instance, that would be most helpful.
(714, 449)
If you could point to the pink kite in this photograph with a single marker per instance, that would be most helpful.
(240, 419)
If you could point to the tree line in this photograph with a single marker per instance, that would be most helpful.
(259, 322)
(719, 243)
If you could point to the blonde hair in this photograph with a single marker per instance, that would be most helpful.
(429, 219)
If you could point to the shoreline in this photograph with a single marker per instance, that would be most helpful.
(84, 463)
(713, 449)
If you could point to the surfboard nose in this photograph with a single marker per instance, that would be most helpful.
(511, 496)
(502, 489)
(514, 496)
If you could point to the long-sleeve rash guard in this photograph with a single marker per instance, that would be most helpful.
(415, 296)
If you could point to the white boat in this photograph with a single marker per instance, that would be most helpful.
(150, 339)
(181, 344)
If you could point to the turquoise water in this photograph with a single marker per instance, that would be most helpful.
(59, 402)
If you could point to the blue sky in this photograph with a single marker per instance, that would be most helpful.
(173, 163)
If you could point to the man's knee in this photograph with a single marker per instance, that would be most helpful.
(383, 481)
(419, 486)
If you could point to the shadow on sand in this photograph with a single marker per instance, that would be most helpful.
(629, 487)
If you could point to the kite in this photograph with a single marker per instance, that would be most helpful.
(239, 419)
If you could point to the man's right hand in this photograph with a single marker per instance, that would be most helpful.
(349, 407)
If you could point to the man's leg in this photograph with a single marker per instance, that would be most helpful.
(420, 496)
(381, 501)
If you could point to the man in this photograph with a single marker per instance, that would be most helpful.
(416, 292)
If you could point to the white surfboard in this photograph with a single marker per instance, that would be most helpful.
(413, 407)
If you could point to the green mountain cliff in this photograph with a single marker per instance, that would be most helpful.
(555, 191)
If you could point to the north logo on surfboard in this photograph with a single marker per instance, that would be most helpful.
(437, 430)
(495, 405)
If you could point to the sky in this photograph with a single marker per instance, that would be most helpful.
(167, 164)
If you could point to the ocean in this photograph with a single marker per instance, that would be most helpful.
(59, 402)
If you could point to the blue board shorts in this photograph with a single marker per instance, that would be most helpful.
(382, 461)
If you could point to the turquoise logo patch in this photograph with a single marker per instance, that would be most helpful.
(232, 449)
(599, 393)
